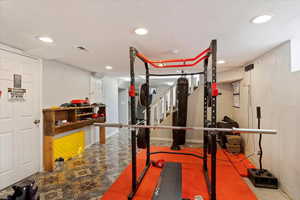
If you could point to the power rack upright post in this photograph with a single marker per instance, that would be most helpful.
(210, 100)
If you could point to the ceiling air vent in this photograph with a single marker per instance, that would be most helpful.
(249, 67)
(81, 48)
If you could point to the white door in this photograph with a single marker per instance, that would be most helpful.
(123, 106)
(20, 138)
(96, 96)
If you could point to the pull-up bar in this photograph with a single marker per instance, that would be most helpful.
(182, 74)
(203, 55)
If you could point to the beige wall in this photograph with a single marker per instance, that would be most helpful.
(195, 112)
(62, 83)
(163, 134)
(272, 86)
(195, 108)
(231, 75)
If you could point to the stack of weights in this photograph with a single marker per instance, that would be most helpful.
(233, 144)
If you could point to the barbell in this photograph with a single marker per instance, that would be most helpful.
(196, 128)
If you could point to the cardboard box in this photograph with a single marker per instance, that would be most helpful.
(233, 148)
(234, 139)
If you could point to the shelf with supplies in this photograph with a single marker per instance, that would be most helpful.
(63, 119)
(84, 114)
(59, 120)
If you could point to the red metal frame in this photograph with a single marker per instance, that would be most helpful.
(210, 142)
(203, 55)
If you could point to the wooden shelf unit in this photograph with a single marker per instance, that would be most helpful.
(76, 117)
(84, 114)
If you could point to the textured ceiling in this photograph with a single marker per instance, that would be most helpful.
(105, 28)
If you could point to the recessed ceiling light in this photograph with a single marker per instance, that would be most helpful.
(161, 64)
(221, 62)
(46, 39)
(174, 51)
(108, 67)
(141, 31)
(261, 19)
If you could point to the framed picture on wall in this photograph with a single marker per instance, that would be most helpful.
(236, 94)
(17, 81)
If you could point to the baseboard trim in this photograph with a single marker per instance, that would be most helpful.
(112, 134)
(195, 141)
(161, 139)
(170, 140)
(89, 145)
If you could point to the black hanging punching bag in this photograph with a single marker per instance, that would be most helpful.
(180, 115)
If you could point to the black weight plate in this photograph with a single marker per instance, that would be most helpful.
(142, 95)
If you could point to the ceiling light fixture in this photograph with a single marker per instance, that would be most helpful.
(46, 39)
(108, 67)
(221, 62)
(261, 19)
(174, 51)
(161, 64)
(141, 31)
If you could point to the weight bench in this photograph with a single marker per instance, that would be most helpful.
(170, 183)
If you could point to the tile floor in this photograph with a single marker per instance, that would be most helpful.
(88, 176)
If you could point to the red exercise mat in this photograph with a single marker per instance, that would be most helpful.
(240, 162)
(230, 186)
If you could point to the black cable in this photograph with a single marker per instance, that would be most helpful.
(260, 152)
(200, 157)
(241, 160)
(258, 112)
(177, 153)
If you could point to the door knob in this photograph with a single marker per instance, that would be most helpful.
(37, 121)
